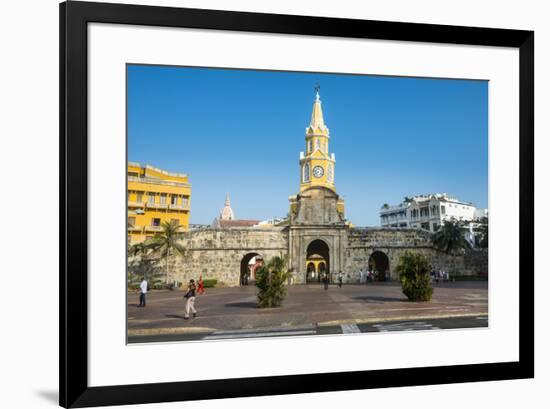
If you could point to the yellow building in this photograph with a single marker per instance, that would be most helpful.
(155, 196)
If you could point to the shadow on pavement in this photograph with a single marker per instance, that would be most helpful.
(242, 305)
(181, 317)
(374, 299)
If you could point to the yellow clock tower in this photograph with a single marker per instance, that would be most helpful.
(317, 164)
(317, 203)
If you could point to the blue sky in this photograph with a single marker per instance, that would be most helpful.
(241, 131)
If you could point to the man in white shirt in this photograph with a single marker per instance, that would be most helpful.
(143, 291)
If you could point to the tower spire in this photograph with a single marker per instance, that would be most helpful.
(317, 122)
(227, 212)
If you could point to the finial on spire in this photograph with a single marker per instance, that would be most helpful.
(317, 90)
(227, 201)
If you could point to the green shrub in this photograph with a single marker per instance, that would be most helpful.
(209, 282)
(270, 280)
(414, 274)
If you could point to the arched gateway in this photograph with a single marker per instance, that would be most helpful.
(379, 262)
(317, 260)
(249, 264)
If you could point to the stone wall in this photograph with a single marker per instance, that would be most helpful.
(363, 242)
(217, 253)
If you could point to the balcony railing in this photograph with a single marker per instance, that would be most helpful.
(135, 204)
(179, 207)
(154, 181)
(157, 205)
(134, 228)
(153, 228)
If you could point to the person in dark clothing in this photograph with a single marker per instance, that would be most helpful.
(325, 281)
(190, 300)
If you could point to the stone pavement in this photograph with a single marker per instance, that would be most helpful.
(306, 308)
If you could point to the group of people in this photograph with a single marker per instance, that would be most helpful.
(439, 275)
(192, 291)
(368, 276)
(325, 278)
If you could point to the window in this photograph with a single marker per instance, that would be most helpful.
(435, 227)
(442, 209)
(163, 198)
(317, 144)
(174, 200)
(330, 173)
(309, 146)
(151, 198)
(131, 221)
(139, 197)
(305, 176)
(155, 222)
(185, 201)
(175, 222)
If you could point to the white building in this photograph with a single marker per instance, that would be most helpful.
(428, 212)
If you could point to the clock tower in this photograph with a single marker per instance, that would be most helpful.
(317, 164)
(317, 226)
(317, 203)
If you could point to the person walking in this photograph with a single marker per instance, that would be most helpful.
(143, 287)
(340, 278)
(325, 281)
(190, 300)
(361, 276)
(200, 290)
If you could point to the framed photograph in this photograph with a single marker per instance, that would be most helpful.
(302, 203)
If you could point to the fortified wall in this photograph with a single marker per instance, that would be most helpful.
(366, 244)
(224, 253)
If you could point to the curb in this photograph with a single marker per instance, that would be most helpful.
(166, 331)
(209, 330)
(400, 318)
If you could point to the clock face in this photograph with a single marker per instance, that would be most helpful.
(318, 171)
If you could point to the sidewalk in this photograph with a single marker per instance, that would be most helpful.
(232, 309)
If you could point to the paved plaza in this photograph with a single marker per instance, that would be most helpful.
(307, 310)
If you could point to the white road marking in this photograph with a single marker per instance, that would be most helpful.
(259, 334)
(404, 326)
(350, 328)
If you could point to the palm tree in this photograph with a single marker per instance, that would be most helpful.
(166, 242)
(138, 249)
(450, 237)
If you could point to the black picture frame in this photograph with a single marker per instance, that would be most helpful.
(73, 349)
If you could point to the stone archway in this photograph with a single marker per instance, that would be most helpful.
(380, 263)
(249, 264)
(317, 253)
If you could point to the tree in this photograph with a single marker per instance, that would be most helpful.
(166, 243)
(450, 238)
(138, 249)
(407, 199)
(270, 280)
(414, 274)
(482, 233)
(385, 206)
